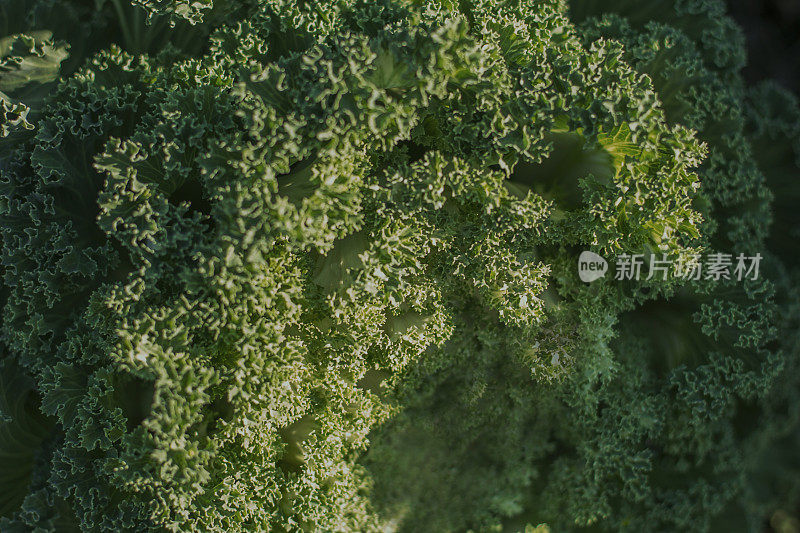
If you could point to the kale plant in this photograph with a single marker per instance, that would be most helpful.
(311, 266)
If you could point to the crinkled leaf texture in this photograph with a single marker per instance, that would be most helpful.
(300, 266)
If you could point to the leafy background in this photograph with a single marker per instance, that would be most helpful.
(116, 162)
(772, 30)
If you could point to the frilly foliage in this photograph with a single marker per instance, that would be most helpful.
(300, 266)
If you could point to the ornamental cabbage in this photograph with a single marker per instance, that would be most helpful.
(311, 266)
